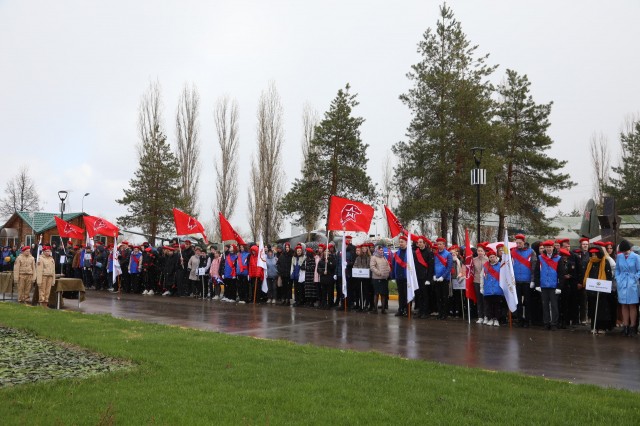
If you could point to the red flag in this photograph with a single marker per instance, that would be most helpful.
(186, 224)
(67, 230)
(98, 226)
(349, 215)
(468, 262)
(227, 232)
(395, 227)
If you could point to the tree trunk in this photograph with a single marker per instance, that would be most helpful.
(444, 223)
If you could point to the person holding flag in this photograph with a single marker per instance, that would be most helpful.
(443, 263)
(423, 258)
(399, 273)
(257, 267)
(524, 263)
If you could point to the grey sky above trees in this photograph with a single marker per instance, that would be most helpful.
(73, 74)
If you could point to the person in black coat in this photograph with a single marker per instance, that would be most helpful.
(423, 259)
(284, 272)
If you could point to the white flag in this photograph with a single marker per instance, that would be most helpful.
(412, 278)
(343, 265)
(89, 241)
(507, 278)
(116, 264)
(262, 263)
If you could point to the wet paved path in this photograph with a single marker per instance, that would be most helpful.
(576, 355)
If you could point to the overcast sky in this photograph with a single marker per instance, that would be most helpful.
(72, 74)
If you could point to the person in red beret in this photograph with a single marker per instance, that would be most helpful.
(546, 280)
(525, 262)
(326, 268)
(490, 288)
(423, 259)
(443, 264)
(285, 283)
(567, 280)
(478, 268)
(169, 268)
(399, 273)
(24, 274)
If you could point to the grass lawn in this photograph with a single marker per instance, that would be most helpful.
(187, 377)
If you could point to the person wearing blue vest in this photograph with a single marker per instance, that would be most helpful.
(135, 268)
(242, 272)
(443, 263)
(490, 288)
(524, 263)
(546, 281)
(229, 274)
(399, 273)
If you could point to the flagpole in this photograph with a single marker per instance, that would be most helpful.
(255, 288)
(468, 310)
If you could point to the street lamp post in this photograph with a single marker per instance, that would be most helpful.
(83, 201)
(478, 177)
(62, 195)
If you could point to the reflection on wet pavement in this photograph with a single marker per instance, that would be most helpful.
(576, 356)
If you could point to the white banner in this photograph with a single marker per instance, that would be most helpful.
(603, 286)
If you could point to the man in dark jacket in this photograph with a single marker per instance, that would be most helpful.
(423, 259)
(284, 272)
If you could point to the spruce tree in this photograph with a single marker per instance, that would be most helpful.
(526, 177)
(451, 106)
(626, 186)
(154, 190)
(336, 163)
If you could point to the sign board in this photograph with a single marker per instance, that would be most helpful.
(63, 259)
(360, 273)
(202, 271)
(599, 285)
(459, 284)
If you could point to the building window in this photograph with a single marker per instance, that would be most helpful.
(100, 238)
(28, 240)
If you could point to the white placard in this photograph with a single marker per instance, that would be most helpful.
(459, 284)
(360, 273)
(603, 286)
(63, 259)
(87, 256)
(202, 271)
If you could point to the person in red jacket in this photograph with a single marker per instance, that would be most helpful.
(256, 274)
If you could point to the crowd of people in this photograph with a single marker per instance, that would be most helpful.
(550, 277)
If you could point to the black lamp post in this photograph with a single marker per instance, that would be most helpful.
(478, 177)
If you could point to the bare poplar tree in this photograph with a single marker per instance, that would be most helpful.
(150, 116)
(310, 119)
(226, 160)
(21, 194)
(188, 146)
(387, 184)
(601, 163)
(255, 201)
(268, 189)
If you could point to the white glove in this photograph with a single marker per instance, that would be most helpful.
(532, 285)
(335, 277)
(539, 289)
(435, 278)
(558, 291)
(441, 279)
(222, 277)
(482, 292)
(427, 283)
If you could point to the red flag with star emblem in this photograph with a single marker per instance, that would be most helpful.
(186, 225)
(99, 226)
(67, 230)
(468, 262)
(348, 215)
